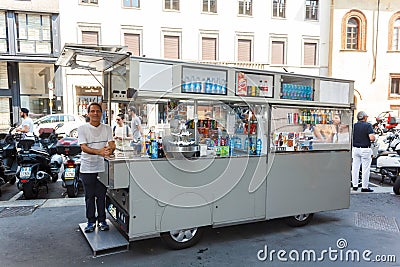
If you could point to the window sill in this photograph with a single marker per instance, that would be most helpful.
(351, 50)
(88, 4)
(171, 10)
(130, 7)
(393, 97)
(393, 51)
(282, 18)
(311, 20)
(209, 13)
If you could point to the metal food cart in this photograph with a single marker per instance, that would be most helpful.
(241, 145)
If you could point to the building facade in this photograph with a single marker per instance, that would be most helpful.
(366, 49)
(279, 35)
(29, 46)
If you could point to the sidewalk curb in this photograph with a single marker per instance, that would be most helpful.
(45, 203)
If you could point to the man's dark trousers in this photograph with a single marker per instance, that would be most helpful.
(95, 195)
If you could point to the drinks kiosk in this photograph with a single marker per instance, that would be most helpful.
(240, 145)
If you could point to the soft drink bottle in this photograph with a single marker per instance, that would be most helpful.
(259, 146)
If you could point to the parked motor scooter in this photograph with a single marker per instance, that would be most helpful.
(386, 162)
(70, 148)
(39, 163)
(385, 122)
(8, 158)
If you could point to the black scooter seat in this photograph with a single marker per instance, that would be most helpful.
(40, 151)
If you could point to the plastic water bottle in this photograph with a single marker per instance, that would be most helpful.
(258, 147)
(239, 143)
(208, 86)
(154, 149)
(231, 146)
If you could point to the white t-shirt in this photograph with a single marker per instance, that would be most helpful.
(29, 122)
(122, 131)
(135, 130)
(97, 138)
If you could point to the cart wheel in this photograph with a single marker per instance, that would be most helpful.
(180, 239)
(396, 186)
(299, 220)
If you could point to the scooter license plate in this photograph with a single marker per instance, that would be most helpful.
(69, 173)
(25, 172)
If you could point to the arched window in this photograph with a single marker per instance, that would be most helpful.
(354, 31)
(394, 33)
(352, 34)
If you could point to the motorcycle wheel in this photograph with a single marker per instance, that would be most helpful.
(72, 190)
(30, 191)
(54, 177)
(396, 186)
(13, 180)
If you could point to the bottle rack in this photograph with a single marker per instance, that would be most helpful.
(297, 92)
(310, 116)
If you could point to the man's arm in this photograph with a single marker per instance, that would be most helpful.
(371, 137)
(93, 151)
(111, 146)
(140, 129)
(371, 133)
(22, 129)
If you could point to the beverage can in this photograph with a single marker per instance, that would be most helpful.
(290, 118)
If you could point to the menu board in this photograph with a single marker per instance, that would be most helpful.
(251, 84)
(204, 81)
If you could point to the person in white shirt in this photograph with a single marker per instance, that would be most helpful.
(122, 133)
(27, 123)
(96, 142)
(136, 125)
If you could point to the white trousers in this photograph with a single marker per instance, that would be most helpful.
(363, 157)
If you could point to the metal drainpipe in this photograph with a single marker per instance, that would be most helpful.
(375, 43)
(330, 51)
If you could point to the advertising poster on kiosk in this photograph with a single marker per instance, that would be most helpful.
(250, 84)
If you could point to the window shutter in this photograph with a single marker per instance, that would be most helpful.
(310, 50)
(171, 47)
(3, 75)
(132, 41)
(278, 52)
(209, 49)
(90, 37)
(244, 50)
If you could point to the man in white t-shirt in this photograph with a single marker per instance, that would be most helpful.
(27, 123)
(96, 142)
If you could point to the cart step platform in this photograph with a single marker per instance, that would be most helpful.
(105, 242)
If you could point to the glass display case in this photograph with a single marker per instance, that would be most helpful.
(306, 129)
(253, 84)
(194, 128)
(204, 81)
(297, 88)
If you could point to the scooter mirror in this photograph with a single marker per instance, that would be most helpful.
(59, 126)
